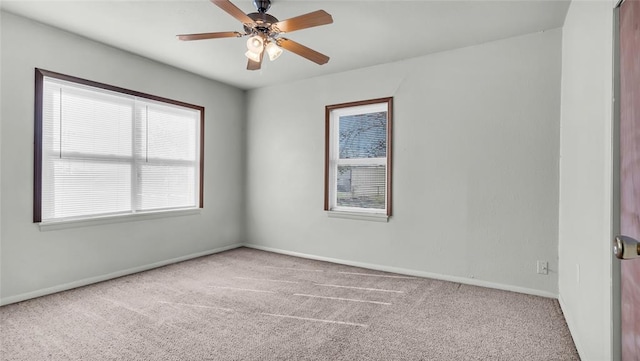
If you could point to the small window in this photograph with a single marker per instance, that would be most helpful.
(358, 157)
(102, 150)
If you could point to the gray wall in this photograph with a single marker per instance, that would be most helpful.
(586, 188)
(476, 178)
(476, 145)
(35, 262)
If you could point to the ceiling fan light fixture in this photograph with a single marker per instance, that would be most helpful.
(255, 44)
(273, 50)
(252, 55)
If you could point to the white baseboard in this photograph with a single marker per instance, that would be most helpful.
(571, 324)
(90, 280)
(410, 272)
(404, 271)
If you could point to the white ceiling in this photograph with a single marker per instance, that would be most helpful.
(364, 33)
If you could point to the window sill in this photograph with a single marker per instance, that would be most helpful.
(360, 216)
(77, 223)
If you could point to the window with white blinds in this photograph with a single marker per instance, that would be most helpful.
(358, 157)
(103, 150)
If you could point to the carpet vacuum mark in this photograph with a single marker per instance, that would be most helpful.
(247, 304)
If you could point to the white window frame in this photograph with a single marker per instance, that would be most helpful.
(135, 213)
(333, 161)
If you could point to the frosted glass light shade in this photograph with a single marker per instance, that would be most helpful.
(252, 55)
(255, 44)
(274, 51)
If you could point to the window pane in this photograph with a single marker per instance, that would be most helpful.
(74, 188)
(95, 123)
(167, 186)
(361, 186)
(167, 132)
(51, 118)
(363, 135)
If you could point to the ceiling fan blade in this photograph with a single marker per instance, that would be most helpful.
(255, 65)
(233, 10)
(303, 51)
(316, 18)
(224, 34)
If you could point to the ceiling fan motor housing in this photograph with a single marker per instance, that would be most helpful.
(262, 5)
(263, 22)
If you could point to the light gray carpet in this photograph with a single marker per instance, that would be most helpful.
(246, 304)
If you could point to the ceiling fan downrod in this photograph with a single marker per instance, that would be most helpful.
(262, 5)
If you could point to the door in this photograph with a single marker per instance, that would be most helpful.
(630, 178)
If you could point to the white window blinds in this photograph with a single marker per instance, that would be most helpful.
(108, 153)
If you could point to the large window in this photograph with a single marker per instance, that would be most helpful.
(358, 157)
(102, 150)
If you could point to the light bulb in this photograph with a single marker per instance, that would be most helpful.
(273, 50)
(252, 55)
(255, 43)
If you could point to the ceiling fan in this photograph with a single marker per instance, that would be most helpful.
(265, 31)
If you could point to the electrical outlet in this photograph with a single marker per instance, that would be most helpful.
(543, 267)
